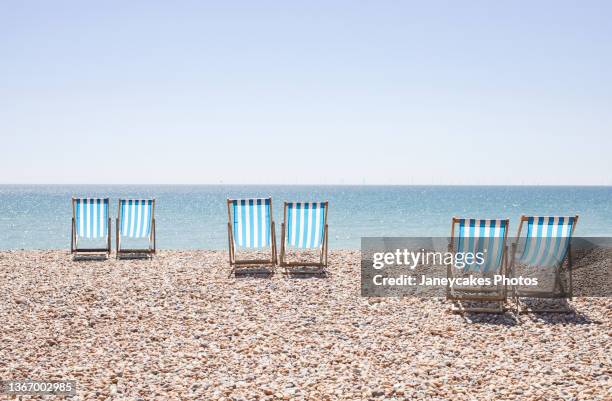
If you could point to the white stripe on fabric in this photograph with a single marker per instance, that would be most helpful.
(238, 218)
(101, 222)
(94, 222)
(88, 221)
(146, 218)
(255, 223)
(317, 236)
(293, 224)
(301, 234)
(82, 218)
(247, 224)
(138, 218)
(308, 225)
(132, 214)
(263, 222)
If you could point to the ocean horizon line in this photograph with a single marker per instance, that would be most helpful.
(318, 185)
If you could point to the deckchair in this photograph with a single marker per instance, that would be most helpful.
(136, 221)
(547, 245)
(250, 226)
(90, 221)
(304, 227)
(473, 236)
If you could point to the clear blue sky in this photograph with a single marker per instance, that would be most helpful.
(381, 92)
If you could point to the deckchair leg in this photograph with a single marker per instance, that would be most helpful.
(281, 259)
(274, 256)
(72, 237)
(117, 243)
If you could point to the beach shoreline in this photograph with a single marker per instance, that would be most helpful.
(179, 327)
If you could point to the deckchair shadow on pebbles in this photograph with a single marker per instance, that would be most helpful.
(542, 253)
(250, 226)
(136, 222)
(90, 223)
(305, 228)
(488, 237)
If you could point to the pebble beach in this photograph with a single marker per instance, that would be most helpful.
(179, 327)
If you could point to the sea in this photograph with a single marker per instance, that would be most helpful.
(195, 216)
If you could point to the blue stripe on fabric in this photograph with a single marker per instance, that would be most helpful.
(289, 223)
(150, 218)
(322, 210)
(235, 222)
(105, 218)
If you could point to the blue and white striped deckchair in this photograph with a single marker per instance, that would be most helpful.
(485, 240)
(546, 245)
(136, 220)
(90, 221)
(304, 226)
(484, 236)
(547, 241)
(250, 225)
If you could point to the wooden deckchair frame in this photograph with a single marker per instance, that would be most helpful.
(232, 245)
(74, 249)
(148, 252)
(476, 295)
(322, 263)
(542, 294)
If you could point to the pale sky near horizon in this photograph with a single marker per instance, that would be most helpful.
(318, 92)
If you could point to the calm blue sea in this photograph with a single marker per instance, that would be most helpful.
(195, 217)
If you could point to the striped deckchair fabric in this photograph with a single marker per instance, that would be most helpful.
(305, 224)
(91, 217)
(136, 217)
(488, 237)
(547, 240)
(305, 227)
(483, 235)
(252, 222)
(250, 225)
(136, 220)
(90, 222)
